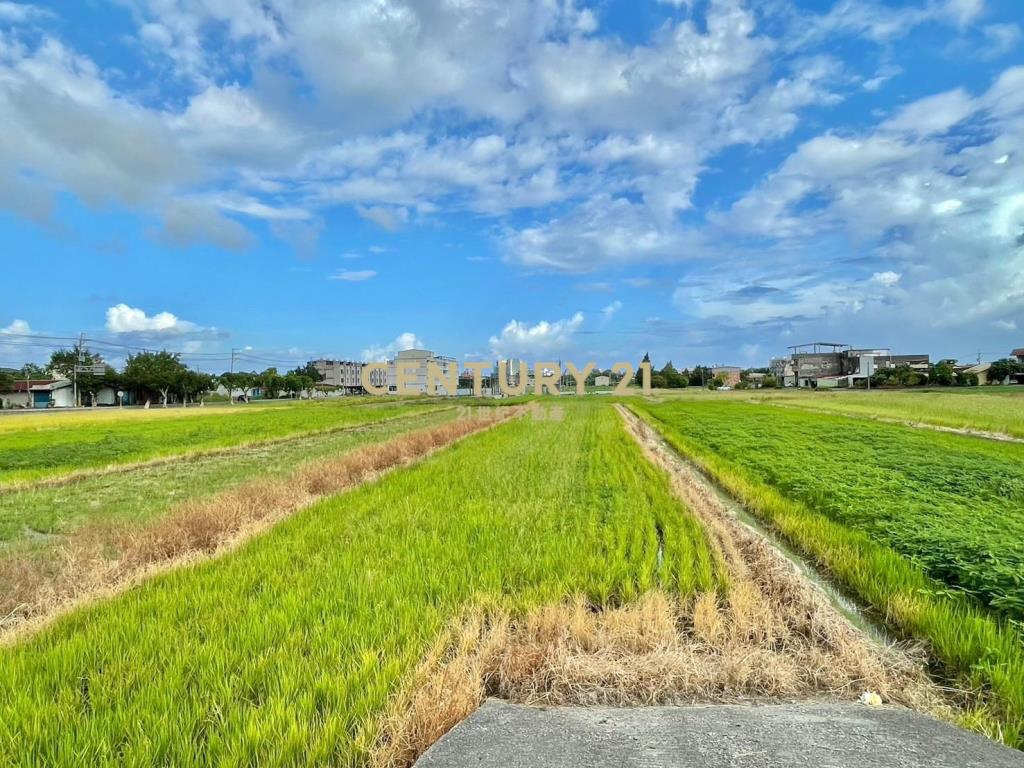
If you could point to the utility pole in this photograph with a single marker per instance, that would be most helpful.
(81, 361)
(231, 396)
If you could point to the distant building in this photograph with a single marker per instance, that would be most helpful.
(414, 364)
(756, 379)
(1018, 355)
(603, 381)
(782, 369)
(981, 371)
(730, 374)
(347, 375)
(827, 364)
(58, 393)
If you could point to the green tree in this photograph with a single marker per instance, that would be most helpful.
(295, 383)
(943, 374)
(63, 361)
(271, 382)
(638, 377)
(964, 379)
(6, 381)
(156, 371)
(700, 375)
(770, 382)
(194, 384)
(1001, 369)
(240, 380)
(309, 371)
(32, 371)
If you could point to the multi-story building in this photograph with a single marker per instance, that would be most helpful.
(824, 364)
(414, 364)
(344, 374)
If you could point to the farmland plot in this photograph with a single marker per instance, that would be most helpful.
(37, 515)
(998, 410)
(35, 447)
(289, 649)
(926, 527)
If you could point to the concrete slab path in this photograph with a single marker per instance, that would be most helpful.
(804, 735)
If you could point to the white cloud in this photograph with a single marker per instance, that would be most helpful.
(353, 276)
(600, 232)
(886, 279)
(519, 339)
(389, 218)
(933, 114)
(122, 318)
(17, 327)
(380, 352)
(18, 13)
(1002, 38)
(610, 311)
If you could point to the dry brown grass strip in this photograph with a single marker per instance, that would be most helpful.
(775, 636)
(101, 560)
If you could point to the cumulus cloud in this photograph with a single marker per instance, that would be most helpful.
(17, 327)
(353, 275)
(519, 339)
(380, 352)
(122, 318)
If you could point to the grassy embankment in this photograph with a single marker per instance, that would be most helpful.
(925, 527)
(287, 650)
(39, 516)
(45, 446)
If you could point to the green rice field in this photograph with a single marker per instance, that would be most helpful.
(37, 446)
(286, 651)
(926, 527)
(289, 649)
(36, 515)
(988, 409)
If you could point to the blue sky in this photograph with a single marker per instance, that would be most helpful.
(706, 180)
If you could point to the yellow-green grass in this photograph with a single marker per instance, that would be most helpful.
(976, 408)
(286, 651)
(65, 443)
(890, 512)
(38, 516)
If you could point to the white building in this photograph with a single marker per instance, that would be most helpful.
(53, 394)
(345, 374)
(413, 363)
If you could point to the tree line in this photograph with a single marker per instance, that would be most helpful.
(163, 374)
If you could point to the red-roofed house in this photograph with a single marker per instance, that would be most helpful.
(38, 393)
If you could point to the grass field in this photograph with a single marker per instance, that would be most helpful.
(987, 409)
(33, 447)
(32, 516)
(287, 650)
(895, 513)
